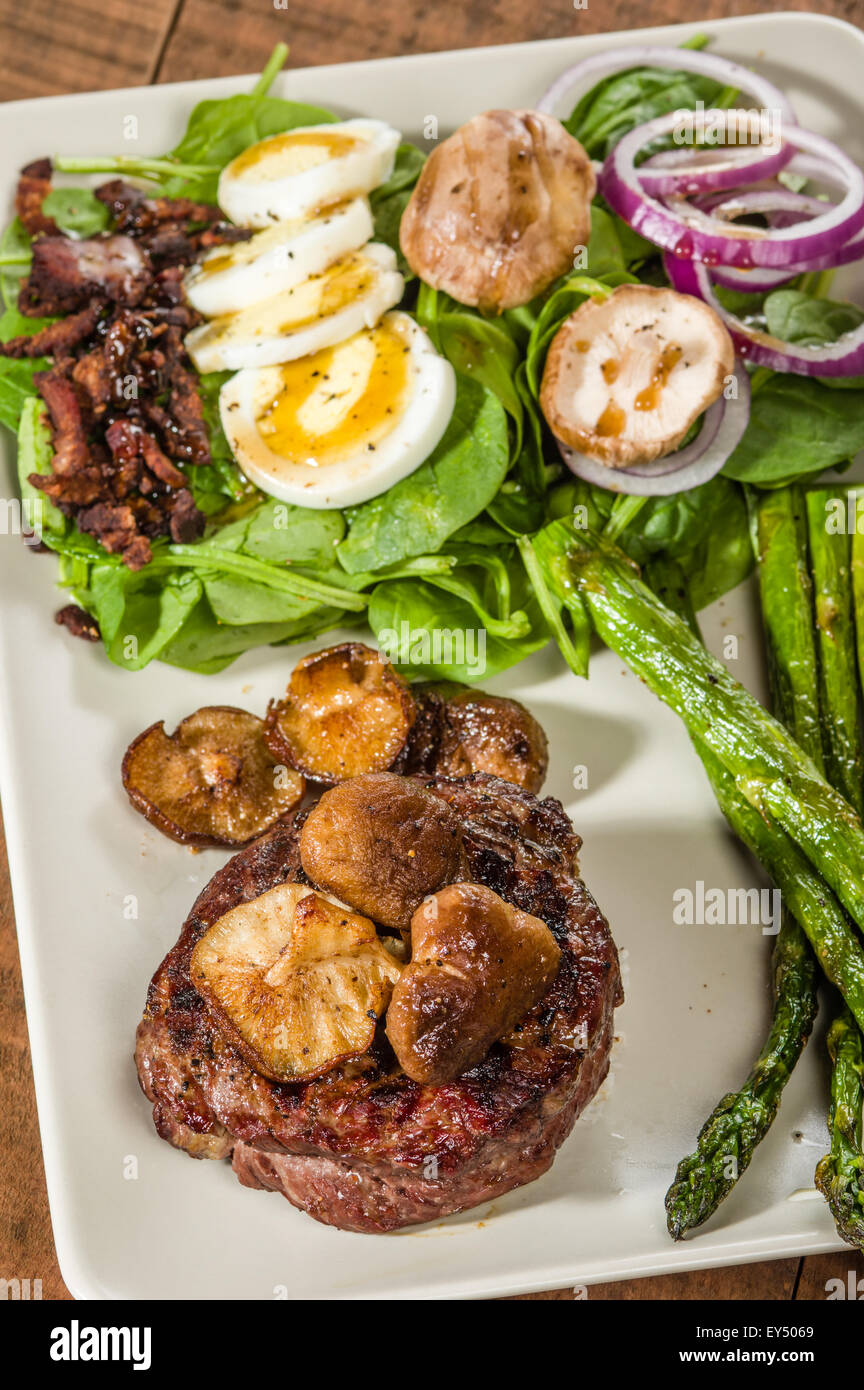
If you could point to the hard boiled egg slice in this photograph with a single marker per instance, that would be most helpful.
(232, 277)
(301, 171)
(322, 310)
(345, 424)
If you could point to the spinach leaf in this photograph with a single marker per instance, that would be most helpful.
(457, 481)
(441, 635)
(388, 202)
(241, 602)
(613, 247)
(627, 99)
(139, 613)
(76, 211)
(796, 317)
(207, 646)
(15, 257)
(797, 427)
(219, 130)
(35, 452)
(16, 374)
(17, 325)
(17, 388)
(281, 533)
(478, 347)
(212, 483)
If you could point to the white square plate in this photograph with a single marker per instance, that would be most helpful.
(133, 1218)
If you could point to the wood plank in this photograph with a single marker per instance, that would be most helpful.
(769, 1279)
(26, 1241)
(818, 1273)
(236, 36)
(80, 46)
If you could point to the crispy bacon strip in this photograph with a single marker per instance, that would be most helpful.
(67, 274)
(78, 623)
(34, 183)
(58, 339)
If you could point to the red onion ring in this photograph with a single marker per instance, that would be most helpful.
(725, 207)
(762, 281)
(774, 248)
(723, 426)
(845, 357)
(677, 171)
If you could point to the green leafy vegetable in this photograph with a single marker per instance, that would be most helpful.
(619, 103)
(460, 478)
(797, 317)
(15, 257)
(798, 427)
(390, 200)
(35, 452)
(77, 211)
(16, 387)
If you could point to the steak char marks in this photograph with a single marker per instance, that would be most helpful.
(364, 1147)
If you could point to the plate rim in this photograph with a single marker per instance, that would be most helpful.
(84, 1282)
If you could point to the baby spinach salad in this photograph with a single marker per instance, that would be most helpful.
(446, 546)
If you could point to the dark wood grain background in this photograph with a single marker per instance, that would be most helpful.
(85, 45)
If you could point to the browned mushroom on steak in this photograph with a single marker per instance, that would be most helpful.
(381, 843)
(296, 980)
(478, 965)
(345, 712)
(459, 730)
(211, 782)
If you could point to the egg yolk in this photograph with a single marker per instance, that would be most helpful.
(292, 153)
(342, 399)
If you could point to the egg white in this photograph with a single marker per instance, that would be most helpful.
(230, 278)
(282, 178)
(263, 334)
(362, 471)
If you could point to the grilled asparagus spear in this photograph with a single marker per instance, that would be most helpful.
(780, 539)
(840, 1174)
(830, 559)
(740, 1121)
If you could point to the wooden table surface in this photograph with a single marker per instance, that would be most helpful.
(85, 45)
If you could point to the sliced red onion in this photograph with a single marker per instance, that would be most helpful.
(762, 281)
(576, 81)
(845, 357)
(725, 207)
(742, 247)
(723, 426)
(694, 170)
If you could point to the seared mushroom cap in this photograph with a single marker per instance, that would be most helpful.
(477, 966)
(381, 843)
(626, 377)
(296, 981)
(460, 730)
(500, 210)
(489, 733)
(211, 782)
(345, 712)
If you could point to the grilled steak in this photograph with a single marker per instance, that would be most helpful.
(364, 1147)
